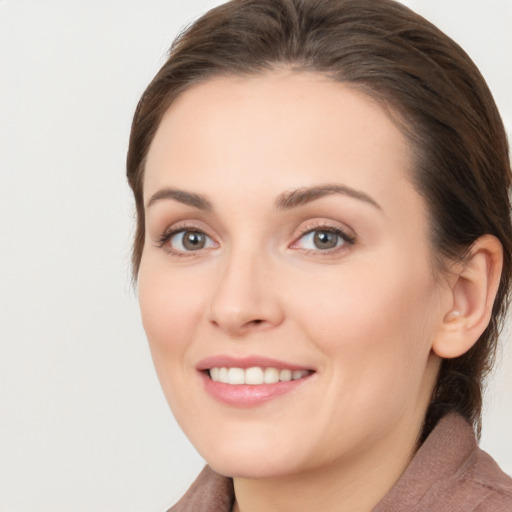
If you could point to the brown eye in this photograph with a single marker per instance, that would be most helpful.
(193, 240)
(325, 239)
(187, 241)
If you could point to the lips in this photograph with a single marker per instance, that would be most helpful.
(246, 382)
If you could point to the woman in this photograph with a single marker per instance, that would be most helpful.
(323, 256)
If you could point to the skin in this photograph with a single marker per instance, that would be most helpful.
(365, 316)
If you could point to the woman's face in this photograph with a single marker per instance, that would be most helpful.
(284, 240)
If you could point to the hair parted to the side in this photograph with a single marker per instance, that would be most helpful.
(424, 79)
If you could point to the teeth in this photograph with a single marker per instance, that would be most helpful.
(296, 374)
(255, 375)
(271, 375)
(285, 375)
(223, 375)
(236, 376)
(215, 374)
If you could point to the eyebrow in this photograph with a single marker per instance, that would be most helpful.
(285, 201)
(301, 196)
(182, 196)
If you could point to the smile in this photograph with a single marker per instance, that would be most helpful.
(251, 381)
(255, 376)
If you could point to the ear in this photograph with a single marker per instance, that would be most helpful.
(473, 286)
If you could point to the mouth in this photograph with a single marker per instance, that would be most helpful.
(254, 375)
(252, 381)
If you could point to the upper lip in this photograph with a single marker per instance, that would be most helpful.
(219, 361)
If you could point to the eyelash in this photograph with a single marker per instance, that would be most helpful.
(167, 235)
(347, 239)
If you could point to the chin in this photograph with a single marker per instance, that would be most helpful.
(250, 468)
(236, 460)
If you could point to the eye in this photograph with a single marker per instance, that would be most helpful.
(187, 240)
(323, 239)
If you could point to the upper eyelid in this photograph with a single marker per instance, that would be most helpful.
(173, 228)
(323, 224)
(348, 239)
(187, 225)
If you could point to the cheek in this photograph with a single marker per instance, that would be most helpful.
(170, 309)
(372, 323)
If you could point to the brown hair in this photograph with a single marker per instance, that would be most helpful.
(426, 80)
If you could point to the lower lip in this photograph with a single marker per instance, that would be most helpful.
(246, 395)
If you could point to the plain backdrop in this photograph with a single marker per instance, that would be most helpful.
(84, 426)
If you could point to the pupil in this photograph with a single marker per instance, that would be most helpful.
(325, 239)
(193, 240)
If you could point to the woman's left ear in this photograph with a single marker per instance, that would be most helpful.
(473, 286)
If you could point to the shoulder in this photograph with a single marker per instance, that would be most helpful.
(478, 484)
(487, 480)
(450, 473)
(474, 483)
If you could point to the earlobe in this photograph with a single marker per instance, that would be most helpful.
(473, 290)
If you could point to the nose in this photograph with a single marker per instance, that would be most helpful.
(246, 298)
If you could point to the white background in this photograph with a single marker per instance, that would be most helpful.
(83, 423)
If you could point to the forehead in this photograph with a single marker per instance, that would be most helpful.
(290, 129)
